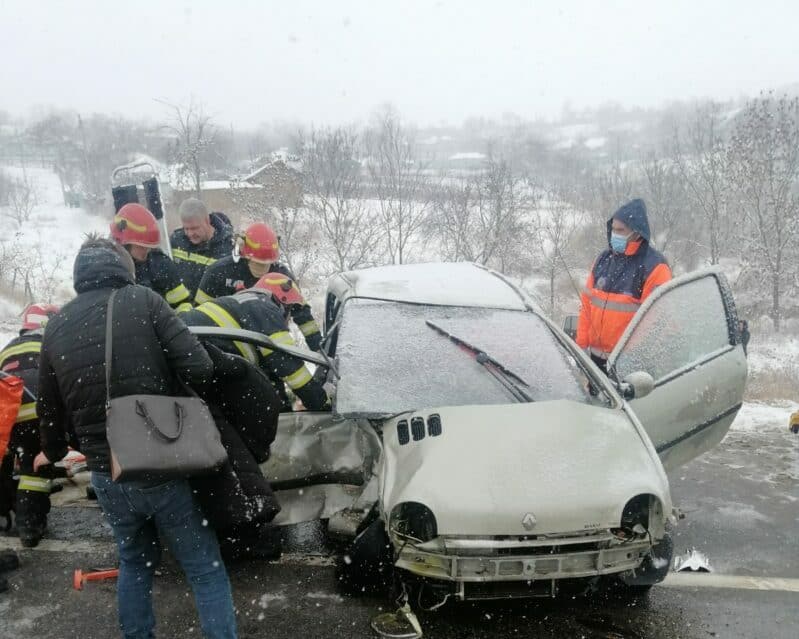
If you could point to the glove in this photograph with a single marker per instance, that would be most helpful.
(793, 423)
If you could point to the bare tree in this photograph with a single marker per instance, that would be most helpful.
(671, 218)
(557, 228)
(505, 200)
(399, 181)
(764, 167)
(332, 172)
(700, 153)
(194, 132)
(486, 217)
(299, 241)
(22, 197)
(453, 219)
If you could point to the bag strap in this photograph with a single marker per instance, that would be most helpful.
(109, 337)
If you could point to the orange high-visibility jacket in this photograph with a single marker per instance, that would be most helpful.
(618, 284)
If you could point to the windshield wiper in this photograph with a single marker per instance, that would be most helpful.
(501, 373)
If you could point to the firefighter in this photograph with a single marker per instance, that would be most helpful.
(261, 308)
(258, 254)
(20, 358)
(622, 277)
(202, 239)
(137, 230)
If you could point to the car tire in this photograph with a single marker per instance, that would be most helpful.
(368, 563)
(653, 570)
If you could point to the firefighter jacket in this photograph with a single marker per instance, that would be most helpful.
(20, 358)
(193, 259)
(257, 311)
(618, 284)
(160, 274)
(228, 276)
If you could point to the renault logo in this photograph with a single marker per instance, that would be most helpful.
(529, 521)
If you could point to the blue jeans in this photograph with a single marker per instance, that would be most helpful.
(142, 512)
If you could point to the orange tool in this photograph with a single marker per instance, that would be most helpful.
(80, 577)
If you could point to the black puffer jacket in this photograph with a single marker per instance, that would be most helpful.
(246, 407)
(151, 346)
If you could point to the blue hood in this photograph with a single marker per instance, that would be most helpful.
(633, 214)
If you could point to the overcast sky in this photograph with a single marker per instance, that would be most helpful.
(335, 60)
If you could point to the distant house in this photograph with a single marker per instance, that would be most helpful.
(281, 181)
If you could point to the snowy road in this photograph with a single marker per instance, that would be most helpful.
(740, 505)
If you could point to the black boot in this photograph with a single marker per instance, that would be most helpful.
(32, 509)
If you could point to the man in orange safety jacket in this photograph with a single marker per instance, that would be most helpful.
(622, 277)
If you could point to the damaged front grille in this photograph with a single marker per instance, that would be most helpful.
(516, 559)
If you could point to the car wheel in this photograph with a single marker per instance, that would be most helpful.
(368, 563)
(653, 570)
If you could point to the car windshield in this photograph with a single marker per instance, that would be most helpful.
(391, 361)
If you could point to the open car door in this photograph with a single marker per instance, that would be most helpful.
(684, 336)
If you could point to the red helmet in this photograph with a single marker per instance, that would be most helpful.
(36, 315)
(282, 288)
(259, 244)
(134, 224)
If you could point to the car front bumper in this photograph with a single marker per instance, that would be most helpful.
(541, 565)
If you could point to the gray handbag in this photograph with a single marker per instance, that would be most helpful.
(156, 437)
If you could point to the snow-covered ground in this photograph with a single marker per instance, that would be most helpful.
(761, 417)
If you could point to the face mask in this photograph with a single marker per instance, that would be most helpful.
(619, 242)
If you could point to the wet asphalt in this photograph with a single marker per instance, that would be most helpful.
(740, 505)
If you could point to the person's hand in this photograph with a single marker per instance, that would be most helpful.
(39, 461)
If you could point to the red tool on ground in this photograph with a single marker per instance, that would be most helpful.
(80, 577)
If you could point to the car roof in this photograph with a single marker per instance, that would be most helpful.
(439, 284)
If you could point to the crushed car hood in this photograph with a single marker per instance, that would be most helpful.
(572, 466)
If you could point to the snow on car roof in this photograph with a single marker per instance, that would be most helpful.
(441, 284)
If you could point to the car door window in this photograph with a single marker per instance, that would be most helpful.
(684, 326)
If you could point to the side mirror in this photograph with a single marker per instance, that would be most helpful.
(637, 385)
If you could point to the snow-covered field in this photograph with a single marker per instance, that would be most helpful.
(53, 232)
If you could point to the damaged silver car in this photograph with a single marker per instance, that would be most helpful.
(475, 452)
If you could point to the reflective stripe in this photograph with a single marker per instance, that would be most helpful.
(177, 295)
(602, 303)
(309, 328)
(182, 308)
(34, 484)
(282, 337)
(298, 378)
(201, 297)
(21, 349)
(26, 412)
(224, 319)
(180, 254)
